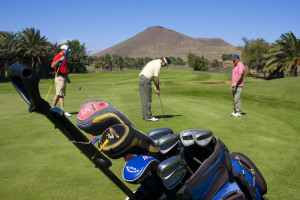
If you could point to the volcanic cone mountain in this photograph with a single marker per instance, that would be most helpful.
(157, 41)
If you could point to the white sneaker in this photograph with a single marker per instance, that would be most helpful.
(237, 115)
(67, 114)
(232, 114)
(153, 119)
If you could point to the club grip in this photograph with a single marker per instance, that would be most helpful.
(67, 51)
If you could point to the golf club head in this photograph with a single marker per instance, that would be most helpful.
(167, 143)
(203, 137)
(171, 171)
(186, 137)
(157, 133)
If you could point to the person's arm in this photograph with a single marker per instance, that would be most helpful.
(55, 63)
(68, 80)
(156, 83)
(233, 85)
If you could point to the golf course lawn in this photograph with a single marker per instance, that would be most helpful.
(38, 162)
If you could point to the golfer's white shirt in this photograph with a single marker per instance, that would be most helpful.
(151, 69)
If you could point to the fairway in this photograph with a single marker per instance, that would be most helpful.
(38, 162)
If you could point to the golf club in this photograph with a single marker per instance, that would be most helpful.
(157, 133)
(172, 170)
(79, 88)
(162, 108)
(203, 138)
(167, 143)
(186, 137)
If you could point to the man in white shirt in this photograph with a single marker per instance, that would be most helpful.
(150, 73)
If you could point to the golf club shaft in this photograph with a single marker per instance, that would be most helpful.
(162, 107)
(79, 88)
(53, 81)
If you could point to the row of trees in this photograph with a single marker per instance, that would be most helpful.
(200, 63)
(278, 58)
(29, 48)
(115, 62)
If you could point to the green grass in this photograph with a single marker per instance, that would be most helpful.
(38, 162)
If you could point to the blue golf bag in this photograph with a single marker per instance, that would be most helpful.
(217, 176)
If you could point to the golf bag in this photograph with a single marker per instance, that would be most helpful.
(214, 178)
(215, 173)
(95, 116)
(243, 165)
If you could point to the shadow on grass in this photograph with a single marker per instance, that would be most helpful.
(167, 116)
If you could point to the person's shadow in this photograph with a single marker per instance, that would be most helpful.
(74, 113)
(167, 116)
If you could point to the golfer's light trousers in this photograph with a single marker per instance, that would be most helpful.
(237, 101)
(146, 98)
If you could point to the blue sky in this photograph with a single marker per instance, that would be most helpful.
(101, 24)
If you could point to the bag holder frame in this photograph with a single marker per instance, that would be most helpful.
(26, 83)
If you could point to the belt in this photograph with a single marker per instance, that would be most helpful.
(144, 76)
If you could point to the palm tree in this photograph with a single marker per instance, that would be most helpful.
(284, 55)
(34, 47)
(77, 56)
(9, 50)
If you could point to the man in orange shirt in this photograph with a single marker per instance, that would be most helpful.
(60, 66)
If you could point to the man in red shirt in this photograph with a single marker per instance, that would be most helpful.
(237, 84)
(60, 66)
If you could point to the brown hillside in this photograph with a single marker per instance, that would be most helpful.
(157, 41)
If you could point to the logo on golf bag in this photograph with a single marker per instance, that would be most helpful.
(112, 134)
(132, 169)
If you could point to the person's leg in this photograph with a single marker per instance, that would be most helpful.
(57, 91)
(61, 102)
(55, 100)
(234, 99)
(238, 106)
(146, 99)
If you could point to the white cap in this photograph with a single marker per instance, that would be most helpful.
(64, 47)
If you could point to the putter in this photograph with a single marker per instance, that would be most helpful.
(157, 133)
(167, 143)
(79, 88)
(162, 108)
(203, 138)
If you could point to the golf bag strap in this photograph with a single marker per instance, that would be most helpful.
(245, 186)
(228, 164)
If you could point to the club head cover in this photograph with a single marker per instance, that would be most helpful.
(95, 116)
(124, 140)
(139, 168)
